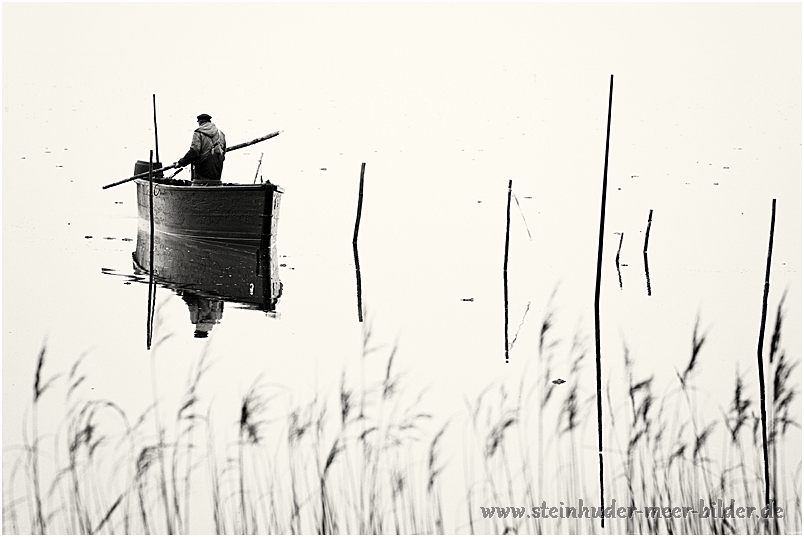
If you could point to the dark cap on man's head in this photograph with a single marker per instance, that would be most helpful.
(204, 117)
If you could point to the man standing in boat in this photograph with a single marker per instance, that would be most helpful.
(206, 154)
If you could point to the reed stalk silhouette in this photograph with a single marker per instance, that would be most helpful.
(368, 455)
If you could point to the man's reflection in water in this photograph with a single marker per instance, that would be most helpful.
(204, 312)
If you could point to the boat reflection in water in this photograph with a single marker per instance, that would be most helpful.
(206, 273)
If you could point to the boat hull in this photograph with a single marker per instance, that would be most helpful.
(238, 213)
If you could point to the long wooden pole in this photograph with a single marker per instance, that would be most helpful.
(156, 135)
(760, 359)
(597, 307)
(647, 231)
(172, 166)
(354, 244)
(151, 287)
(505, 265)
(254, 141)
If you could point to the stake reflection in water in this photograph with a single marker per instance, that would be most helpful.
(645, 249)
(617, 257)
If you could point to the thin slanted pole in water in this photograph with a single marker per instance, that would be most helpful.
(156, 135)
(645, 249)
(151, 287)
(505, 265)
(597, 306)
(760, 359)
(259, 165)
(354, 243)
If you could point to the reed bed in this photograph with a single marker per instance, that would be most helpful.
(370, 459)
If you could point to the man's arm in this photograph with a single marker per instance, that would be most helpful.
(193, 153)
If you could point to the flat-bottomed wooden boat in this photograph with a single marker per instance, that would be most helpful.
(231, 212)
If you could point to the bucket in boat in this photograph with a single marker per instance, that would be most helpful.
(142, 167)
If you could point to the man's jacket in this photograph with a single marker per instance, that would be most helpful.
(207, 152)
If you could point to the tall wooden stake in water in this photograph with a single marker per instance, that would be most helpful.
(354, 244)
(156, 135)
(597, 306)
(760, 360)
(505, 264)
(257, 173)
(151, 287)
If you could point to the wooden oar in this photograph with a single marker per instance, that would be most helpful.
(172, 166)
(254, 141)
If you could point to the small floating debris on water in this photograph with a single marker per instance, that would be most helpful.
(323, 169)
(59, 166)
(108, 238)
(47, 151)
(559, 381)
(87, 236)
(23, 158)
(725, 167)
(528, 197)
(634, 176)
(118, 203)
(126, 283)
(283, 265)
(479, 201)
(618, 188)
(716, 184)
(624, 265)
(468, 299)
(127, 239)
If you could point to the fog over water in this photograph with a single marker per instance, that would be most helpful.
(444, 103)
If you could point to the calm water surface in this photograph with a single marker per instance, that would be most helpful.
(441, 130)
